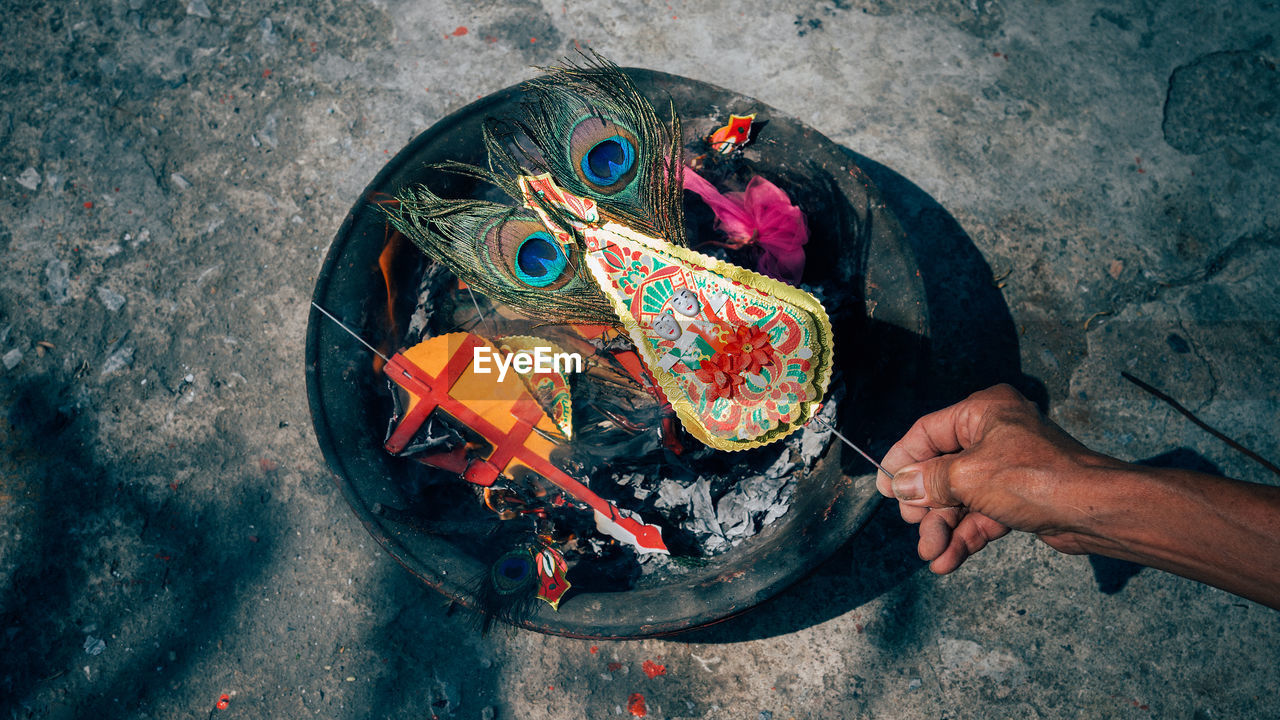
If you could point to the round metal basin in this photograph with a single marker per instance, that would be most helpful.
(881, 329)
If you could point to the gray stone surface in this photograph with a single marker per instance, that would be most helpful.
(168, 529)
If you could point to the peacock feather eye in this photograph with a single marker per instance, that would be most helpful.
(603, 154)
(540, 260)
(513, 572)
(524, 248)
(608, 160)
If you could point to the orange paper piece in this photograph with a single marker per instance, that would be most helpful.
(442, 374)
(734, 135)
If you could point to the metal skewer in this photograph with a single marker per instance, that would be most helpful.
(353, 333)
(849, 442)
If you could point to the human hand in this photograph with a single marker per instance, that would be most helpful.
(971, 472)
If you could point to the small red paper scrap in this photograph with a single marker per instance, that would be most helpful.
(653, 669)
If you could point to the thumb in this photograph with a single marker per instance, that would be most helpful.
(925, 484)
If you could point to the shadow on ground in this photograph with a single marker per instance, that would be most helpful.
(96, 546)
(125, 586)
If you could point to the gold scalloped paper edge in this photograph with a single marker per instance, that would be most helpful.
(527, 342)
(760, 283)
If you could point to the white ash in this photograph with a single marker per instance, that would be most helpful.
(671, 494)
(815, 437)
(94, 646)
(782, 466)
(633, 480)
(268, 31)
(749, 505)
(57, 276)
(427, 301)
(702, 513)
(117, 361)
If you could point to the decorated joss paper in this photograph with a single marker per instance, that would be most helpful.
(548, 385)
(552, 583)
(732, 350)
(598, 237)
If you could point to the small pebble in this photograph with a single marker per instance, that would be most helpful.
(118, 360)
(57, 276)
(29, 179)
(268, 31)
(110, 299)
(179, 182)
(12, 358)
(199, 8)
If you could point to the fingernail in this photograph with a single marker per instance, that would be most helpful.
(908, 484)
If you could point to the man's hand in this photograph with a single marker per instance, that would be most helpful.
(971, 472)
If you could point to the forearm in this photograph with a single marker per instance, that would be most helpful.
(1222, 532)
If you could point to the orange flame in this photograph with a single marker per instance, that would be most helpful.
(390, 249)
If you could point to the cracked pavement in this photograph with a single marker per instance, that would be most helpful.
(1100, 182)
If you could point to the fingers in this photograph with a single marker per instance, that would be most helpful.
(925, 462)
(924, 484)
(948, 536)
(934, 476)
(971, 534)
(935, 532)
(948, 430)
(952, 428)
(883, 483)
(911, 514)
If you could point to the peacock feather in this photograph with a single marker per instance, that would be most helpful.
(600, 138)
(589, 127)
(504, 252)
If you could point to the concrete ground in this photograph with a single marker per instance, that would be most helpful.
(174, 171)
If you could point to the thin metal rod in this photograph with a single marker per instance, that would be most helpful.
(849, 442)
(353, 334)
(480, 314)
